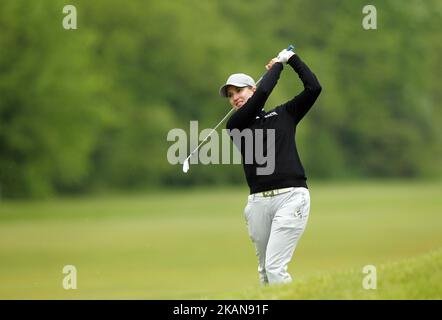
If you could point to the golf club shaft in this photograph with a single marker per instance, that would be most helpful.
(211, 132)
(289, 48)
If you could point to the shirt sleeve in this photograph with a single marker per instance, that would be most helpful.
(247, 113)
(301, 104)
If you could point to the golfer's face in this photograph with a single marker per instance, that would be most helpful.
(239, 96)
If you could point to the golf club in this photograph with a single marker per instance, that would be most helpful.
(186, 166)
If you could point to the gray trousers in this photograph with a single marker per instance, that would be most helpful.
(275, 225)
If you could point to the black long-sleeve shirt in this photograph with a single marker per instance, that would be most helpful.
(288, 170)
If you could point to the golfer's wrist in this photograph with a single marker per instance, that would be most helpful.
(292, 59)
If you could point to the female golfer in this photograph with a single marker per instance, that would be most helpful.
(279, 202)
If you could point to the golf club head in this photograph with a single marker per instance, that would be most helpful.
(186, 165)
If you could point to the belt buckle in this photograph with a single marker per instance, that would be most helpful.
(270, 193)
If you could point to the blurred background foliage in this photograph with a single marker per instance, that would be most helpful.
(88, 110)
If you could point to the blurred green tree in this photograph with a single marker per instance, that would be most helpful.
(91, 108)
(50, 110)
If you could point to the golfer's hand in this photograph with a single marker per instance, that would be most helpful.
(271, 63)
(284, 55)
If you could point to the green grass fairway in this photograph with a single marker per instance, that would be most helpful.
(193, 244)
(414, 278)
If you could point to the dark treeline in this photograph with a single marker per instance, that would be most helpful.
(89, 109)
